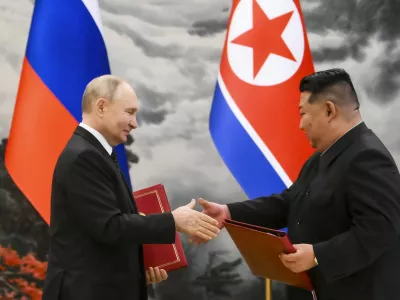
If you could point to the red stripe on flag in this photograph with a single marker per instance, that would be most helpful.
(40, 129)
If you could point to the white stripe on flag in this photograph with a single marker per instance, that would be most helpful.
(93, 8)
(253, 134)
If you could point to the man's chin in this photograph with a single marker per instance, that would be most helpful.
(123, 139)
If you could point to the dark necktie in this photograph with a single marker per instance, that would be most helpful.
(115, 159)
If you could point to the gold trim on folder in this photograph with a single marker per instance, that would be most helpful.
(162, 210)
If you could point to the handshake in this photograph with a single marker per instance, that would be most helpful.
(200, 226)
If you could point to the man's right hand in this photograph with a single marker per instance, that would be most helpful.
(216, 211)
(194, 223)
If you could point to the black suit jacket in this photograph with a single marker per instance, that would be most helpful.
(96, 233)
(346, 203)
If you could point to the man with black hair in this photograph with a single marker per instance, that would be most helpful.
(343, 211)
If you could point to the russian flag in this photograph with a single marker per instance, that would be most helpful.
(65, 51)
(254, 119)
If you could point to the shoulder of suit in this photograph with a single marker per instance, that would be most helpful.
(367, 150)
(79, 143)
(78, 146)
(369, 144)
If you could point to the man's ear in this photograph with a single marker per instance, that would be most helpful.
(330, 109)
(101, 106)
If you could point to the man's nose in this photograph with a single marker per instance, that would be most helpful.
(133, 123)
(301, 124)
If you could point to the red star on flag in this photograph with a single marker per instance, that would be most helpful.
(265, 37)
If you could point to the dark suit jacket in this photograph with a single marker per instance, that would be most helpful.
(96, 234)
(346, 203)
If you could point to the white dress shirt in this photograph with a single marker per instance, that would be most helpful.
(98, 136)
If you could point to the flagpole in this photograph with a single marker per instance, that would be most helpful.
(268, 289)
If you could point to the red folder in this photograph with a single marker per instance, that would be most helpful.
(169, 257)
(260, 248)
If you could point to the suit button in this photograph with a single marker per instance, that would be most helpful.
(298, 222)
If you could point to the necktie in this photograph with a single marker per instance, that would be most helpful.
(115, 159)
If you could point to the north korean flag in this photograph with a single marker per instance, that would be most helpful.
(254, 119)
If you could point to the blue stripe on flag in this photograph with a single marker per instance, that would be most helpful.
(244, 159)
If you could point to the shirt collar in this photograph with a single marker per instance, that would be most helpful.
(98, 136)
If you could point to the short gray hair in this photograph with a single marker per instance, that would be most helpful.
(104, 86)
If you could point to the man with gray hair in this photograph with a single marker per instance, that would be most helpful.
(96, 232)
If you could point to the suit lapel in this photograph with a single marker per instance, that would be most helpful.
(131, 203)
(95, 142)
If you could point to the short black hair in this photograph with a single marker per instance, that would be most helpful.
(334, 82)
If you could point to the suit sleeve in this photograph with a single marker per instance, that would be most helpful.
(373, 200)
(93, 204)
(268, 212)
(271, 211)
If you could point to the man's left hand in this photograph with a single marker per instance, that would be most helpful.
(154, 275)
(301, 260)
